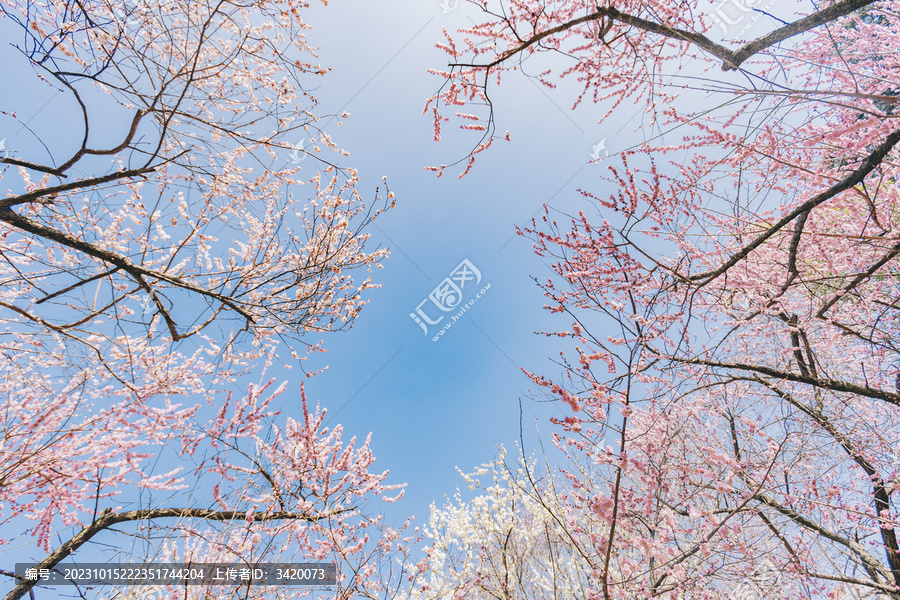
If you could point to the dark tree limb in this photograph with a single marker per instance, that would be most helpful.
(136, 271)
(108, 518)
(881, 495)
(855, 178)
(731, 59)
(819, 382)
(889, 256)
(52, 192)
(858, 549)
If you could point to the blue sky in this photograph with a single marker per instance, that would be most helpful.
(431, 406)
(435, 406)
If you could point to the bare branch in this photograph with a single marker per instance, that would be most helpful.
(109, 518)
(123, 263)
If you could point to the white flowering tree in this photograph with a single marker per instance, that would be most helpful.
(511, 539)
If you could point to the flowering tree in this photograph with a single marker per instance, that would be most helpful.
(507, 542)
(148, 262)
(735, 384)
(291, 494)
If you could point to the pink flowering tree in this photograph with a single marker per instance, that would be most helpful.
(734, 385)
(186, 223)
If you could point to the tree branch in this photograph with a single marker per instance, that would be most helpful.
(829, 384)
(108, 518)
(799, 519)
(123, 263)
(880, 494)
(891, 254)
(826, 15)
(851, 180)
(731, 59)
(8, 203)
